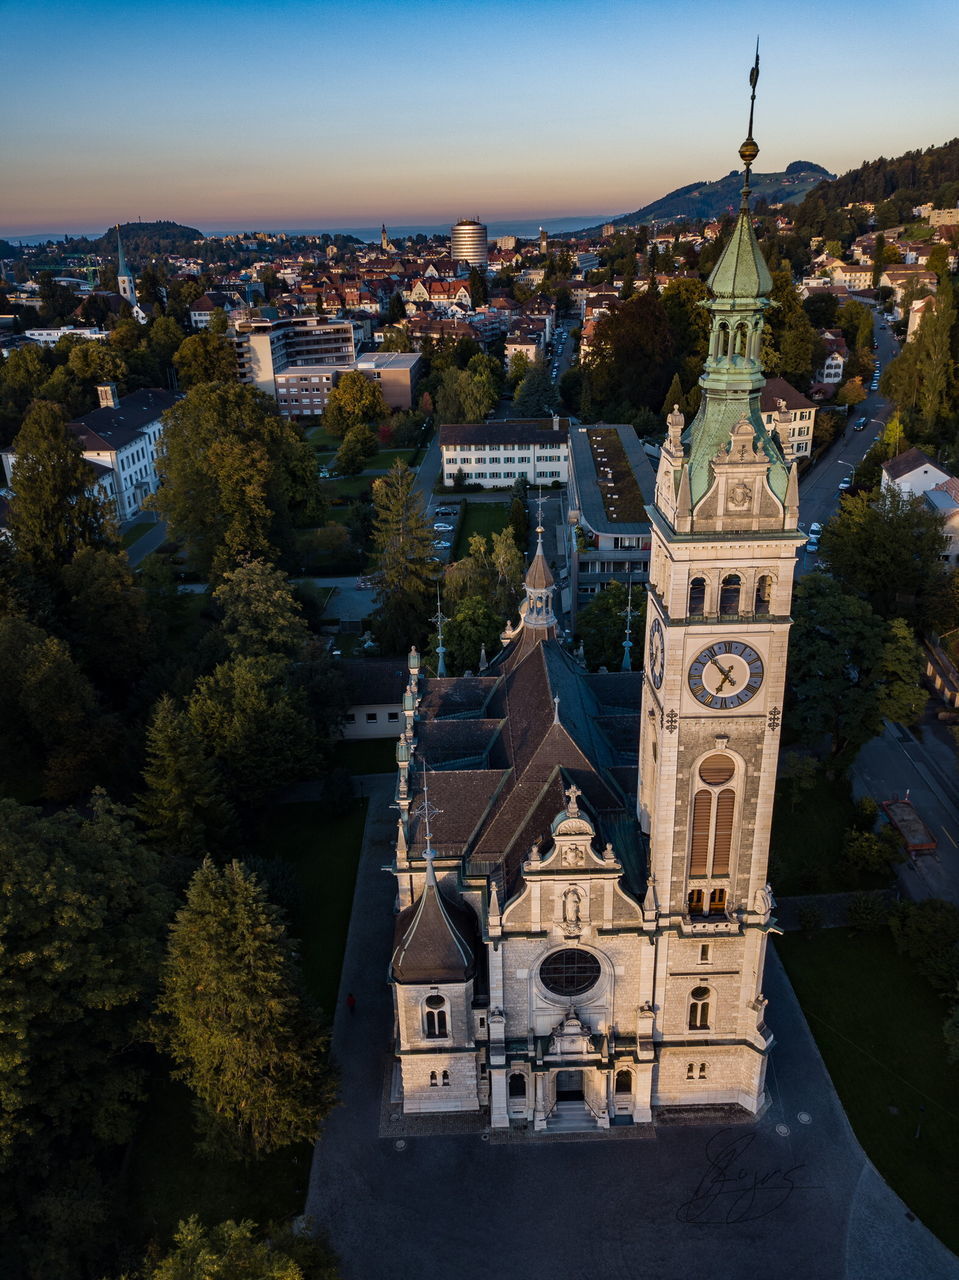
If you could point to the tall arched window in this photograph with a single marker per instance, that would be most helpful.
(697, 597)
(446, 1079)
(729, 593)
(690, 1070)
(432, 1079)
(723, 834)
(624, 1082)
(517, 1085)
(699, 1009)
(435, 1016)
(702, 821)
(764, 591)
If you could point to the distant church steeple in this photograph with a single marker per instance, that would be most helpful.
(126, 285)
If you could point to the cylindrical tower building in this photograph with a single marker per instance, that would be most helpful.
(469, 243)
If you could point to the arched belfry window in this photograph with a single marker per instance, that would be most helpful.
(699, 1009)
(435, 1020)
(697, 598)
(764, 591)
(712, 824)
(729, 594)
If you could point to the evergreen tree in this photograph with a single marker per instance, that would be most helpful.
(80, 922)
(674, 396)
(232, 1016)
(404, 570)
(106, 620)
(183, 807)
(935, 363)
(535, 396)
(54, 511)
(232, 1251)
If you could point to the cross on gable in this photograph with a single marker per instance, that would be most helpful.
(571, 794)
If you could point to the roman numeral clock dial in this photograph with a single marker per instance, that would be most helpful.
(726, 675)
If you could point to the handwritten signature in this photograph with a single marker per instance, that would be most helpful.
(730, 1192)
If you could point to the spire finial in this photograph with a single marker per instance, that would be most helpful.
(749, 150)
(627, 664)
(439, 618)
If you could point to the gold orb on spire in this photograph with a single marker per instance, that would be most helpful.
(749, 151)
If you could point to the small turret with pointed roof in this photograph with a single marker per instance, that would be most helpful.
(539, 586)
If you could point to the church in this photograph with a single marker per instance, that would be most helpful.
(581, 859)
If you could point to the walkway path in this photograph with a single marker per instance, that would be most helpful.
(790, 1196)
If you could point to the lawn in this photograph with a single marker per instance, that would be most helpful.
(878, 1026)
(479, 517)
(135, 532)
(386, 457)
(805, 854)
(321, 441)
(166, 1179)
(345, 487)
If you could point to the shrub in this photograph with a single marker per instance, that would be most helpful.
(866, 851)
(927, 933)
(868, 912)
(867, 811)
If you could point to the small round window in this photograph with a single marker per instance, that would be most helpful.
(569, 972)
(435, 1002)
(700, 993)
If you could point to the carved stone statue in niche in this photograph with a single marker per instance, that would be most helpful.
(572, 903)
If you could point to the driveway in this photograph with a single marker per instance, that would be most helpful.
(787, 1197)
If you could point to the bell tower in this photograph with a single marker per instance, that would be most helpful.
(724, 539)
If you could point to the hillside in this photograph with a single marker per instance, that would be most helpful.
(708, 200)
(912, 178)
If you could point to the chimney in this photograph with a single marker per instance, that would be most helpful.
(109, 399)
(555, 421)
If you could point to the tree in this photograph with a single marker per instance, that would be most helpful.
(519, 366)
(927, 933)
(519, 522)
(602, 626)
(183, 806)
(631, 362)
(105, 619)
(205, 357)
(232, 1016)
(255, 725)
(473, 627)
(535, 396)
(935, 362)
(56, 509)
(232, 1250)
(851, 392)
(404, 571)
(358, 446)
(397, 309)
(886, 549)
(878, 259)
(479, 292)
(355, 401)
(80, 919)
(396, 338)
(674, 397)
(260, 615)
(234, 476)
(846, 669)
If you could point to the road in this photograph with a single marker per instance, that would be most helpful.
(819, 488)
(922, 765)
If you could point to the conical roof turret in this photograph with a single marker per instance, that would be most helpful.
(433, 937)
(538, 575)
(741, 271)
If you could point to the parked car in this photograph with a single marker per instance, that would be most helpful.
(443, 528)
(324, 473)
(859, 424)
(845, 484)
(815, 529)
(812, 545)
(448, 511)
(441, 543)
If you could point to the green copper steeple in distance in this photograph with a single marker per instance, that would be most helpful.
(732, 378)
(125, 281)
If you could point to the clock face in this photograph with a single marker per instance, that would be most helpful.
(726, 674)
(657, 650)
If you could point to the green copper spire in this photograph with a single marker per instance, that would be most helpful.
(122, 268)
(732, 378)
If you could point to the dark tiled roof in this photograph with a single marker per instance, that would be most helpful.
(779, 389)
(115, 428)
(456, 696)
(375, 680)
(515, 431)
(435, 939)
(444, 742)
(912, 459)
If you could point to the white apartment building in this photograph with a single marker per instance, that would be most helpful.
(790, 413)
(266, 347)
(494, 454)
(121, 440)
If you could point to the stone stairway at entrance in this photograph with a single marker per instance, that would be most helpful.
(570, 1117)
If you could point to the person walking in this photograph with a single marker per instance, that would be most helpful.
(351, 1002)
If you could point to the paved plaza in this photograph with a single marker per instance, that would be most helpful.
(789, 1196)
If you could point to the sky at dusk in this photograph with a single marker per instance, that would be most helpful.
(320, 113)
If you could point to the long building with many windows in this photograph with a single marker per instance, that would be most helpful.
(494, 454)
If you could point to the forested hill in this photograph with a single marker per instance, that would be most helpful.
(707, 200)
(140, 240)
(913, 178)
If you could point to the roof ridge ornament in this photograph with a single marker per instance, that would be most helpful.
(749, 149)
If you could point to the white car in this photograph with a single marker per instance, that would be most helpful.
(439, 542)
(443, 528)
(815, 529)
(812, 546)
(845, 484)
